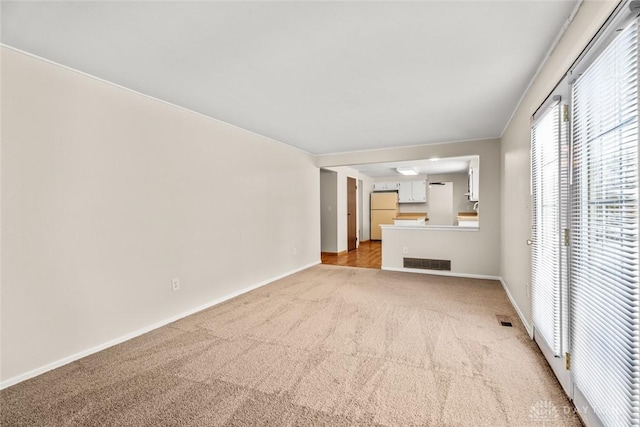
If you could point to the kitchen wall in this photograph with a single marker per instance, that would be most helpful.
(107, 195)
(481, 251)
(515, 153)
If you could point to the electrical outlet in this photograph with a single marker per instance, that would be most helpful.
(175, 284)
(405, 250)
(295, 250)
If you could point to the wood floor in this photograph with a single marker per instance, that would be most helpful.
(368, 255)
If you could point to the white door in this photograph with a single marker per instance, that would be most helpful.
(440, 206)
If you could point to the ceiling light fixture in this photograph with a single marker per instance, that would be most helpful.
(407, 171)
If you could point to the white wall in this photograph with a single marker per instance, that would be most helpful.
(328, 207)
(516, 177)
(484, 246)
(108, 195)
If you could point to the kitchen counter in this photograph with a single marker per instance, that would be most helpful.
(468, 219)
(410, 219)
(472, 216)
(417, 215)
(427, 227)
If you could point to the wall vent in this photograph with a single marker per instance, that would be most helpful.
(504, 321)
(427, 264)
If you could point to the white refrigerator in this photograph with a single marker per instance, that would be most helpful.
(384, 208)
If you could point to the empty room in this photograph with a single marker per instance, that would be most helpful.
(380, 213)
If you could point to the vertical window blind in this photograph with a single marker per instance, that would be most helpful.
(604, 271)
(546, 141)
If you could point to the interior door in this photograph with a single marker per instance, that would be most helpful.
(352, 191)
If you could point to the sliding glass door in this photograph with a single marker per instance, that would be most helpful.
(549, 285)
(605, 334)
(586, 229)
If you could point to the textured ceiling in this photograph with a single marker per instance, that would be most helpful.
(326, 77)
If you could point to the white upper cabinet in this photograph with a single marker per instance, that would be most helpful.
(412, 191)
(474, 182)
(385, 186)
(405, 192)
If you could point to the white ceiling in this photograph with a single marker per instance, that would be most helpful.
(423, 167)
(323, 76)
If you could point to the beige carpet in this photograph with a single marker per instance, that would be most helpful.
(327, 346)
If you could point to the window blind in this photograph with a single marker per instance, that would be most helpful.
(546, 228)
(604, 233)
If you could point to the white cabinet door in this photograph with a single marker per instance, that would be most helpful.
(393, 185)
(405, 193)
(474, 184)
(419, 191)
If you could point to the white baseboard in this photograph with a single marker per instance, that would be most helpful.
(66, 360)
(515, 306)
(441, 273)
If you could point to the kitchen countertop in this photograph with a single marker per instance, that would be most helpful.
(427, 227)
(417, 215)
(467, 216)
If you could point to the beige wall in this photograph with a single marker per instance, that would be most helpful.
(463, 247)
(108, 195)
(328, 209)
(515, 185)
(481, 249)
